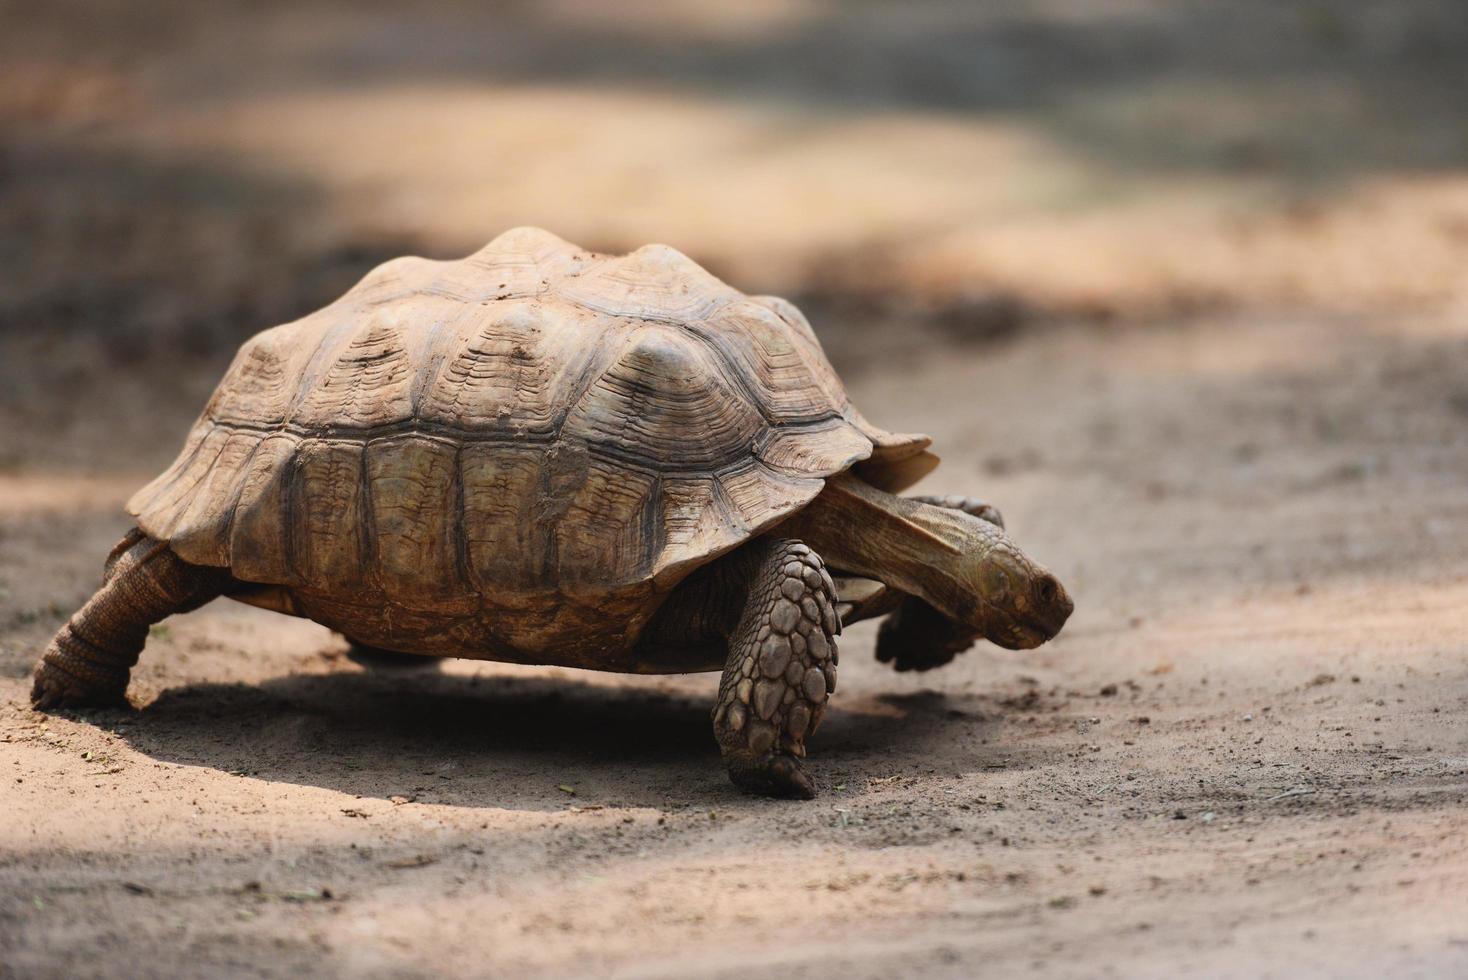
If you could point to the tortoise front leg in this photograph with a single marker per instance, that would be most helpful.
(780, 672)
(89, 659)
(918, 637)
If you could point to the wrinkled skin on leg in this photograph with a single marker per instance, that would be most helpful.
(918, 637)
(90, 658)
(781, 669)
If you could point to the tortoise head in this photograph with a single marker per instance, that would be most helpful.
(1004, 594)
(966, 568)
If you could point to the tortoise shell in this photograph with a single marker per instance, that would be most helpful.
(530, 427)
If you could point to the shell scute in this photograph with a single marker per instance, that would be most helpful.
(788, 375)
(506, 530)
(608, 531)
(329, 534)
(656, 393)
(263, 382)
(508, 370)
(414, 499)
(369, 382)
(203, 525)
(259, 536)
(830, 448)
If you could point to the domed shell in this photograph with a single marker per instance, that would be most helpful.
(534, 419)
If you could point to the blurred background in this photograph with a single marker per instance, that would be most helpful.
(1179, 285)
(175, 175)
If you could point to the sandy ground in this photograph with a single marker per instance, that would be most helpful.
(1246, 754)
(1178, 286)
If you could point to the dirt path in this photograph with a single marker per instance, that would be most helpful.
(1246, 755)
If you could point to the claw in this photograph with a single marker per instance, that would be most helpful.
(52, 688)
(789, 778)
(780, 775)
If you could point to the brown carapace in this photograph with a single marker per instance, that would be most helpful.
(543, 455)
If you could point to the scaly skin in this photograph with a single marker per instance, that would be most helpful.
(918, 637)
(88, 661)
(981, 509)
(780, 671)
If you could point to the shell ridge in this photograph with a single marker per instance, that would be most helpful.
(459, 437)
(367, 545)
(468, 574)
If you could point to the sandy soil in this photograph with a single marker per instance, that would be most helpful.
(1180, 289)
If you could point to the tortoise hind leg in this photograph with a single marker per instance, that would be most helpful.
(89, 659)
(780, 671)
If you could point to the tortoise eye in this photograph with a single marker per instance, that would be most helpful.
(995, 582)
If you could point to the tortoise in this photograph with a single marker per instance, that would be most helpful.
(542, 455)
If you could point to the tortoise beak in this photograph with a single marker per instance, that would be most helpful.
(1039, 618)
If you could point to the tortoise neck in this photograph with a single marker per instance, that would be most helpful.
(910, 546)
